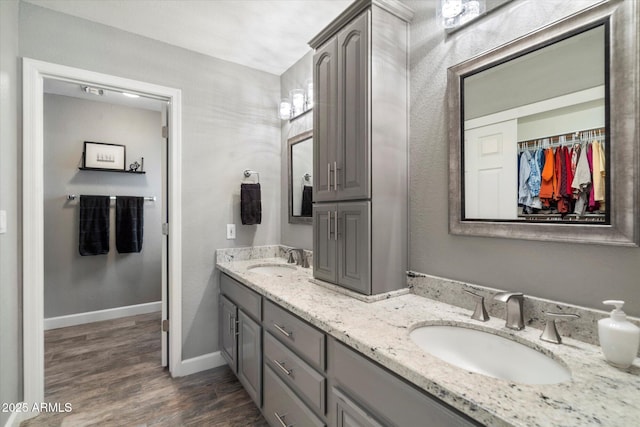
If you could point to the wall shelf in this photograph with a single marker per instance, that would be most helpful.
(112, 170)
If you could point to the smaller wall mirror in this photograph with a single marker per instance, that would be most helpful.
(300, 161)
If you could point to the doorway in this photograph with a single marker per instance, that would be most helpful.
(34, 74)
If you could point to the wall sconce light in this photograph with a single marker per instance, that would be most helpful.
(454, 13)
(300, 101)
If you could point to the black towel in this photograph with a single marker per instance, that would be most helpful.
(307, 201)
(250, 204)
(94, 225)
(129, 223)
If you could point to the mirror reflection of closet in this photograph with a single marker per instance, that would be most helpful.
(528, 126)
(300, 160)
(542, 133)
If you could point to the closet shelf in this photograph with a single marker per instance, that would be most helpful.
(111, 170)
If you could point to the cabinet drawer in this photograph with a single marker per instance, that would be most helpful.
(250, 301)
(305, 340)
(382, 394)
(282, 407)
(297, 374)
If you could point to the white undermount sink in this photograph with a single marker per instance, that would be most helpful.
(272, 269)
(489, 354)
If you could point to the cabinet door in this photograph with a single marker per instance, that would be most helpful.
(349, 414)
(250, 356)
(227, 333)
(354, 160)
(354, 246)
(324, 242)
(325, 85)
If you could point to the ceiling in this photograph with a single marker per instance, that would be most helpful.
(268, 35)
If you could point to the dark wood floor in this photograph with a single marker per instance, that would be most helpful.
(110, 373)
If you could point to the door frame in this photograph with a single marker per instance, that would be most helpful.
(34, 73)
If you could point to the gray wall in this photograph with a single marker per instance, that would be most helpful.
(296, 235)
(575, 273)
(229, 124)
(77, 284)
(10, 247)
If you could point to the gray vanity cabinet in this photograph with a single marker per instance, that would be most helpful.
(349, 414)
(360, 146)
(294, 367)
(342, 244)
(250, 355)
(240, 334)
(227, 312)
(366, 394)
(325, 147)
(341, 69)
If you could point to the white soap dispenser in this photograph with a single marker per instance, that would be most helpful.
(619, 338)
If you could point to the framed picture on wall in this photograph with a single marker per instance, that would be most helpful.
(100, 155)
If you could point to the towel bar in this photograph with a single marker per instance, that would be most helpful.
(146, 198)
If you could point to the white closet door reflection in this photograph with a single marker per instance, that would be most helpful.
(490, 173)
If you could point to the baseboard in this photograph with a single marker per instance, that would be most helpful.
(201, 363)
(96, 316)
(17, 417)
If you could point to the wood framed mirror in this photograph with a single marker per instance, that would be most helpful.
(564, 94)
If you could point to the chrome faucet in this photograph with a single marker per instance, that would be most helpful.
(515, 319)
(550, 333)
(300, 258)
(480, 312)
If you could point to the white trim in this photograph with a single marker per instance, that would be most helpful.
(34, 73)
(16, 418)
(592, 94)
(99, 315)
(201, 363)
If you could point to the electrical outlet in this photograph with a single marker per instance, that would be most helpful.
(231, 231)
(3, 222)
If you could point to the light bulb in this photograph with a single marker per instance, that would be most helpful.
(451, 8)
(284, 112)
(309, 86)
(297, 101)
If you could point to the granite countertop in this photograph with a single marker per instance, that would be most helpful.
(598, 394)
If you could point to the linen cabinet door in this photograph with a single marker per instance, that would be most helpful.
(354, 246)
(324, 242)
(354, 158)
(227, 333)
(325, 85)
(250, 356)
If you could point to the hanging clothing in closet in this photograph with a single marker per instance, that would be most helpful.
(569, 178)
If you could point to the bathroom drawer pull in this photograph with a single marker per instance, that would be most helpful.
(281, 419)
(335, 232)
(329, 176)
(282, 368)
(328, 225)
(282, 330)
(231, 324)
(335, 176)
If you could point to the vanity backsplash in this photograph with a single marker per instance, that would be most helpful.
(257, 252)
(584, 328)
